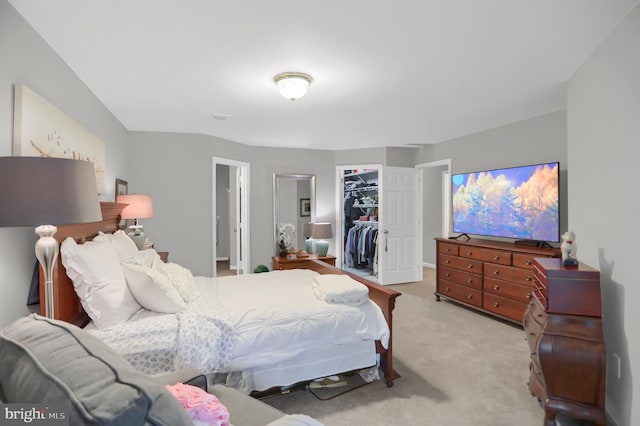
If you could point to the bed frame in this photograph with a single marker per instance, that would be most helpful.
(67, 305)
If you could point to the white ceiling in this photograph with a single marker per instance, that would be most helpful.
(386, 73)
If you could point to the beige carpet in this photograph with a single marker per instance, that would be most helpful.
(458, 368)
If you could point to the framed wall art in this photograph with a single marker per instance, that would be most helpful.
(42, 130)
(305, 207)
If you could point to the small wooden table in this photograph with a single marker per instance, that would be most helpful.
(282, 263)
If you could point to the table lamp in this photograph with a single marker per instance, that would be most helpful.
(320, 231)
(306, 234)
(40, 190)
(139, 206)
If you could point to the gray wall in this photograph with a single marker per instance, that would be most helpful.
(27, 59)
(178, 177)
(431, 211)
(604, 148)
(222, 209)
(536, 140)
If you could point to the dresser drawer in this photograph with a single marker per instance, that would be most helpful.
(509, 273)
(460, 277)
(448, 248)
(460, 263)
(521, 260)
(532, 328)
(460, 292)
(505, 307)
(486, 255)
(518, 292)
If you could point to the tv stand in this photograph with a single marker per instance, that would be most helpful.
(461, 235)
(533, 243)
(493, 277)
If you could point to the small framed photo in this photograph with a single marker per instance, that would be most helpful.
(305, 207)
(122, 187)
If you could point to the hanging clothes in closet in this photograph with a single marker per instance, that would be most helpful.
(361, 247)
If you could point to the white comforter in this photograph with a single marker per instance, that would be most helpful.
(249, 321)
(277, 316)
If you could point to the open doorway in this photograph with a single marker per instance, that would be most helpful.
(230, 180)
(436, 206)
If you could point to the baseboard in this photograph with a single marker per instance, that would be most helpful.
(428, 265)
(610, 421)
(219, 259)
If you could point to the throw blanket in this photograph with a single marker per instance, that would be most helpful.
(162, 343)
(340, 289)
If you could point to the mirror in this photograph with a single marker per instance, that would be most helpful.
(294, 204)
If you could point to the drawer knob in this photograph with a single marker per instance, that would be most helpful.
(496, 272)
(447, 261)
(496, 304)
(470, 266)
(527, 278)
(448, 249)
(496, 257)
(528, 262)
(469, 296)
(528, 296)
(448, 274)
(446, 289)
(469, 280)
(496, 287)
(469, 253)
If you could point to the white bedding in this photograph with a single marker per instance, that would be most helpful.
(272, 317)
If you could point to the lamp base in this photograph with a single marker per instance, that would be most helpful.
(308, 244)
(137, 235)
(322, 247)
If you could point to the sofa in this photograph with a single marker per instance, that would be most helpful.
(49, 361)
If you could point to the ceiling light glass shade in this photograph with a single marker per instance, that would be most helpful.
(293, 85)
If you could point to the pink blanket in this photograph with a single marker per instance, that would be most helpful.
(202, 407)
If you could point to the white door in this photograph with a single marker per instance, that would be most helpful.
(239, 214)
(400, 229)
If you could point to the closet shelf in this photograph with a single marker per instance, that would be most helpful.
(365, 222)
(365, 206)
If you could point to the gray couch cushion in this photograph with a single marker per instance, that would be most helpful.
(47, 361)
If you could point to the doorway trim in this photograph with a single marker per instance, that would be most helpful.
(243, 206)
(446, 194)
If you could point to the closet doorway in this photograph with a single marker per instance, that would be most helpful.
(230, 182)
(379, 234)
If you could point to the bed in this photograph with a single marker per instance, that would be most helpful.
(306, 362)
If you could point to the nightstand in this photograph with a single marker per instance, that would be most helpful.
(282, 263)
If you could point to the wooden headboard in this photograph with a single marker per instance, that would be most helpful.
(66, 303)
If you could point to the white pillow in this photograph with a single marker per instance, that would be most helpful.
(147, 257)
(124, 246)
(182, 279)
(152, 289)
(94, 268)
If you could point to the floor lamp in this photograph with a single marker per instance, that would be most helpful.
(40, 190)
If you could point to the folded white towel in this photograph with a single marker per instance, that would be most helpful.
(340, 289)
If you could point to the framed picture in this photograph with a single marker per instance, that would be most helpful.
(42, 130)
(305, 207)
(122, 187)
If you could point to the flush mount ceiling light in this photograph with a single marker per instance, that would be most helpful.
(293, 85)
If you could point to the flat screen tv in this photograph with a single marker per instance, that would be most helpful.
(517, 202)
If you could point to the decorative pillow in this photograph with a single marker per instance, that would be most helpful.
(147, 257)
(202, 408)
(94, 268)
(45, 360)
(152, 289)
(182, 279)
(125, 247)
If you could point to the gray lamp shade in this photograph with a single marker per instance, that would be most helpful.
(320, 230)
(41, 190)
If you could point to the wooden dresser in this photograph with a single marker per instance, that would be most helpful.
(281, 263)
(563, 327)
(491, 276)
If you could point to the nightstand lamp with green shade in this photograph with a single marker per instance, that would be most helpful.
(320, 232)
(139, 206)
